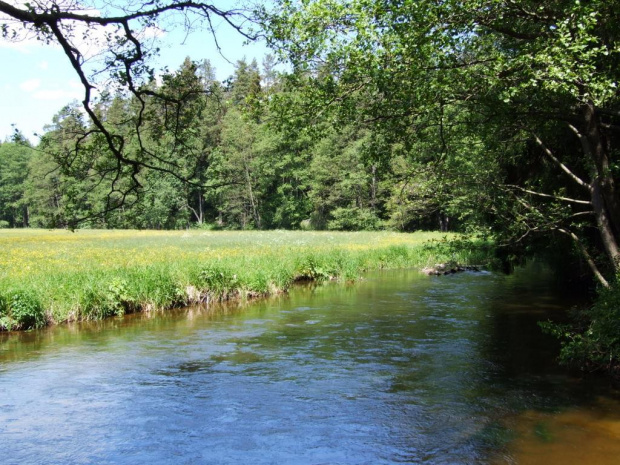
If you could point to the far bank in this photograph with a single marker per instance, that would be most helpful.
(55, 276)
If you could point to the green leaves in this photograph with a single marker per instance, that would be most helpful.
(591, 341)
(21, 310)
(483, 72)
(14, 161)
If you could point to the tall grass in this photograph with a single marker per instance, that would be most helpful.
(57, 276)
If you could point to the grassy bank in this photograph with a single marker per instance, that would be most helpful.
(55, 276)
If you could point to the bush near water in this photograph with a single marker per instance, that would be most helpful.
(591, 341)
(57, 276)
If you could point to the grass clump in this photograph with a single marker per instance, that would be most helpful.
(105, 297)
(89, 274)
(220, 280)
(21, 309)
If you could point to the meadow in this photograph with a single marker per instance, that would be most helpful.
(55, 276)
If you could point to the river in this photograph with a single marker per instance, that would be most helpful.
(397, 368)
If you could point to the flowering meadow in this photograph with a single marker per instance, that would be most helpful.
(56, 276)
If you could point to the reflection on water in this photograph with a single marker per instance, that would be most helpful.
(399, 368)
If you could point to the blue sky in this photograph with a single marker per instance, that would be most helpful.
(37, 80)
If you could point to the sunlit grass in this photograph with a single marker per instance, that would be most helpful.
(91, 274)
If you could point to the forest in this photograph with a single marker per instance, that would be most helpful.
(491, 117)
(229, 165)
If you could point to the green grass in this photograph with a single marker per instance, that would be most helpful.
(56, 276)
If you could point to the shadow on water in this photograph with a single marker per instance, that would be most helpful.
(541, 413)
(398, 368)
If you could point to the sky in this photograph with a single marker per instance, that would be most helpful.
(37, 80)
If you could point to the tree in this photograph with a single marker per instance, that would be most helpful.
(535, 82)
(240, 196)
(342, 183)
(119, 31)
(61, 195)
(14, 159)
(245, 87)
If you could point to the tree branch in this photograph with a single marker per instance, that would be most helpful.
(125, 57)
(601, 279)
(561, 165)
(556, 197)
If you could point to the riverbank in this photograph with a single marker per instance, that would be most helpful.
(51, 277)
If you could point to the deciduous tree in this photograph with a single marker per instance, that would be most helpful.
(535, 82)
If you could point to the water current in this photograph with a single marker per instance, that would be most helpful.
(397, 368)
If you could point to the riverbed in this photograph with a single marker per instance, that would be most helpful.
(397, 368)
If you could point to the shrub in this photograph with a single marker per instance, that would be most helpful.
(312, 267)
(4, 310)
(258, 281)
(353, 219)
(157, 287)
(219, 279)
(21, 310)
(101, 301)
(592, 340)
(461, 249)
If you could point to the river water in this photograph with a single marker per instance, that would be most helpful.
(397, 368)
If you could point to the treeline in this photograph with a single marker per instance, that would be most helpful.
(225, 155)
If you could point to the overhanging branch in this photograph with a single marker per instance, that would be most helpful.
(549, 196)
(561, 165)
(586, 255)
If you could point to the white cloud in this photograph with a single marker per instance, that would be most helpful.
(57, 94)
(152, 32)
(26, 38)
(90, 39)
(30, 85)
(23, 45)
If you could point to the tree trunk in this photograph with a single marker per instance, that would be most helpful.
(599, 153)
(444, 220)
(248, 180)
(200, 209)
(603, 192)
(373, 192)
(604, 225)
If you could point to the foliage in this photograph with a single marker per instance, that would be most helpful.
(118, 155)
(505, 114)
(462, 248)
(353, 219)
(21, 309)
(100, 300)
(219, 279)
(592, 340)
(14, 161)
(242, 167)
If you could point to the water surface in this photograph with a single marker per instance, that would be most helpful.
(398, 368)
